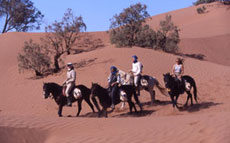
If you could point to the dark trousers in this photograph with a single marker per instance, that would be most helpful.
(114, 90)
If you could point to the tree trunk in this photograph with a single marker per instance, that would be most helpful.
(5, 25)
(56, 64)
(38, 73)
(68, 51)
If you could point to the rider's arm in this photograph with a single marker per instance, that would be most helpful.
(182, 70)
(173, 70)
(118, 78)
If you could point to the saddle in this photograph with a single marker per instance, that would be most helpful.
(144, 80)
(75, 92)
(183, 84)
(122, 94)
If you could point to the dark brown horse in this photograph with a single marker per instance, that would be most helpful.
(106, 101)
(175, 90)
(55, 90)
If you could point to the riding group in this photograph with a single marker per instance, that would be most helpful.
(121, 88)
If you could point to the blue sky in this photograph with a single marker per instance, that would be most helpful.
(96, 13)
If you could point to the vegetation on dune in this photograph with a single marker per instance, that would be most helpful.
(129, 29)
(34, 57)
(204, 1)
(125, 26)
(19, 15)
(61, 36)
(201, 10)
(59, 40)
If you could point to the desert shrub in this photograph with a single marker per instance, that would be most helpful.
(34, 57)
(19, 15)
(201, 10)
(168, 36)
(125, 26)
(61, 36)
(203, 1)
(146, 37)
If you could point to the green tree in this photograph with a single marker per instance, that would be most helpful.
(203, 1)
(61, 36)
(20, 15)
(127, 24)
(146, 37)
(168, 35)
(34, 57)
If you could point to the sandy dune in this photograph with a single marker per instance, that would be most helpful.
(26, 117)
(206, 34)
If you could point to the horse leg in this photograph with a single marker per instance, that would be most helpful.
(60, 110)
(96, 104)
(79, 107)
(172, 98)
(152, 94)
(90, 104)
(137, 101)
(176, 100)
(190, 95)
(131, 106)
(186, 104)
(122, 105)
(105, 112)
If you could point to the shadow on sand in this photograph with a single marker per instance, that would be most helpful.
(198, 107)
(135, 114)
(156, 103)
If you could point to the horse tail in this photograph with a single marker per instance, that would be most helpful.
(161, 88)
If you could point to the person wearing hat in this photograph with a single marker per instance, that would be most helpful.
(136, 70)
(113, 82)
(69, 82)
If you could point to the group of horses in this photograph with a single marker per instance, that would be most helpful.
(126, 92)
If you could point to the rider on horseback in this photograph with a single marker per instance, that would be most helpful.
(178, 71)
(113, 81)
(137, 70)
(69, 82)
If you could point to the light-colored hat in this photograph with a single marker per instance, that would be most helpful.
(69, 64)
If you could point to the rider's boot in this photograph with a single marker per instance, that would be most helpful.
(69, 102)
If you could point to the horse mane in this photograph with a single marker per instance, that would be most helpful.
(100, 87)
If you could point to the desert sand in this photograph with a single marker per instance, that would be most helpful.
(26, 117)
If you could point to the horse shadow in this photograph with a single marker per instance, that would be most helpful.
(198, 107)
(142, 113)
(156, 103)
(87, 115)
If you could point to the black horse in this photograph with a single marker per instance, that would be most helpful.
(106, 101)
(55, 90)
(175, 89)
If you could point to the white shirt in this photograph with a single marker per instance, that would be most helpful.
(177, 68)
(71, 76)
(136, 68)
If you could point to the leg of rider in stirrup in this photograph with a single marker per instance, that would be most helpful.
(68, 94)
(137, 83)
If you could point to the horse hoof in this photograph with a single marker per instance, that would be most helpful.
(60, 115)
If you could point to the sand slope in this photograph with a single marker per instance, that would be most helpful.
(206, 34)
(26, 117)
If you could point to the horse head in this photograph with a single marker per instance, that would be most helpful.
(168, 80)
(46, 90)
